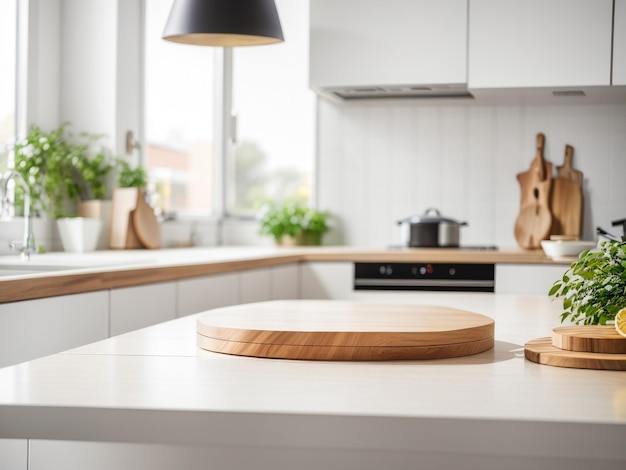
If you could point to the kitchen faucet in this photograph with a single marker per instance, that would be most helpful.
(27, 245)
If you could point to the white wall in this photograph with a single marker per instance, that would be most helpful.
(381, 162)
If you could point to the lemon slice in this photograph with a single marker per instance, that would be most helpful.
(620, 322)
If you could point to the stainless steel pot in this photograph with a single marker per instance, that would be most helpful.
(430, 230)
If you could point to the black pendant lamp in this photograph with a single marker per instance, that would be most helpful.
(223, 23)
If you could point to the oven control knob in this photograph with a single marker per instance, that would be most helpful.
(386, 270)
(452, 271)
(423, 270)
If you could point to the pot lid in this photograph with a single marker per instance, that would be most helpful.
(431, 216)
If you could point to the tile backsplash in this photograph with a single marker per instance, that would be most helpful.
(378, 163)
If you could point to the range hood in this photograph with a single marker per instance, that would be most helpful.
(396, 92)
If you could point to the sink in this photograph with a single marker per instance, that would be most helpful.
(26, 268)
(13, 266)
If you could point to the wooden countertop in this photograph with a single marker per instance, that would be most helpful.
(123, 268)
(155, 386)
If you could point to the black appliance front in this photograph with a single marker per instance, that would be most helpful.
(461, 277)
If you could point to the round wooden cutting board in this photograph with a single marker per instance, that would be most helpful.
(594, 339)
(344, 331)
(542, 351)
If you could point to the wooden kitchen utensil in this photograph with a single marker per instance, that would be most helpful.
(122, 232)
(145, 224)
(344, 331)
(534, 221)
(566, 201)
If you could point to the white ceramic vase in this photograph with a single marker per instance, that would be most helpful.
(79, 234)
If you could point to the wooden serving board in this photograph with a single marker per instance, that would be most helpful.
(145, 224)
(566, 199)
(594, 339)
(542, 351)
(344, 331)
(534, 221)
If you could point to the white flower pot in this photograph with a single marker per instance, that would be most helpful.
(79, 234)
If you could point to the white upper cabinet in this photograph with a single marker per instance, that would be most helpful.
(540, 43)
(367, 43)
(619, 43)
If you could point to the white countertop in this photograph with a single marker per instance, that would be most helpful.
(154, 385)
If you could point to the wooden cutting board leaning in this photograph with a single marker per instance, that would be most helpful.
(133, 223)
(566, 199)
(534, 221)
(549, 206)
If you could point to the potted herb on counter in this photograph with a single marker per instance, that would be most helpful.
(593, 289)
(293, 224)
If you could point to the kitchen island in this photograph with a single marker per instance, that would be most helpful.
(169, 401)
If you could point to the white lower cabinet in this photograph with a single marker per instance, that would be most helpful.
(285, 282)
(14, 454)
(207, 292)
(531, 279)
(35, 328)
(255, 286)
(137, 307)
(326, 280)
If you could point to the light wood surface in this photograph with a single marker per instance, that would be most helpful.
(146, 225)
(592, 338)
(534, 221)
(542, 351)
(566, 199)
(339, 330)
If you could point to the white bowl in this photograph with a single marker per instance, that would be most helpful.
(565, 248)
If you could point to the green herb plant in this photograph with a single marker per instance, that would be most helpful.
(295, 220)
(593, 289)
(129, 177)
(60, 170)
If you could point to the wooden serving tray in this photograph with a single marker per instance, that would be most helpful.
(542, 351)
(595, 339)
(344, 331)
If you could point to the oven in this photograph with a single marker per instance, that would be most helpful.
(460, 277)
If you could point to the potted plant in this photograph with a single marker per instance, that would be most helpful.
(593, 289)
(314, 226)
(292, 223)
(61, 171)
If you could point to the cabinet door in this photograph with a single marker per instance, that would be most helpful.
(327, 280)
(14, 454)
(207, 292)
(137, 307)
(539, 43)
(35, 328)
(387, 42)
(255, 286)
(619, 43)
(534, 279)
(285, 282)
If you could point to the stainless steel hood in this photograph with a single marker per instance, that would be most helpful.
(397, 92)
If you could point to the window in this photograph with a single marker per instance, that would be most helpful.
(273, 156)
(178, 118)
(8, 48)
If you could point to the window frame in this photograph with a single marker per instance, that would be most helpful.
(225, 132)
